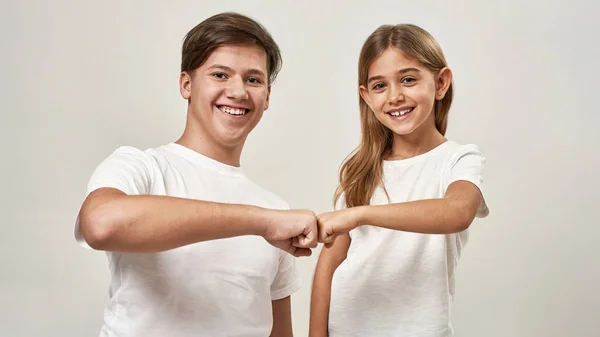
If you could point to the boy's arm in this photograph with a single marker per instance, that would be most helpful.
(112, 220)
(282, 318)
(332, 255)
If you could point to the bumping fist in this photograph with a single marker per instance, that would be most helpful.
(298, 231)
(332, 224)
(294, 231)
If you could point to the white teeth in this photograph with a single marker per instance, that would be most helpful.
(401, 113)
(233, 111)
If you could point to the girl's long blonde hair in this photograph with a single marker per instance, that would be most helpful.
(362, 172)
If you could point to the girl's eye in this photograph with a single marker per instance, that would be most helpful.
(408, 80)
(379, 86)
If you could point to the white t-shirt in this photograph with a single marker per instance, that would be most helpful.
(396, 283)
(214, 288)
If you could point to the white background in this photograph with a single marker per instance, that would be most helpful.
(80, 78)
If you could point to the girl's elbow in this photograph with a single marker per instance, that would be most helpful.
(464, 219)
(462, 225)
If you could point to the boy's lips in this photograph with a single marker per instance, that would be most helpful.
(233, 110)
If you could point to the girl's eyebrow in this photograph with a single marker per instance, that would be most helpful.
(401, 71)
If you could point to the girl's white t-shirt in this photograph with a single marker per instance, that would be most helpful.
(214, 288)
(396, 283)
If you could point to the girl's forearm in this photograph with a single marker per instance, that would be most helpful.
(332, 255)
(432, 216)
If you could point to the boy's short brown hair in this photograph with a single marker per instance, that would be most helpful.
(227, 28)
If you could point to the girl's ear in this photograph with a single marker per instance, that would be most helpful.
(364, 94)
(442, 82)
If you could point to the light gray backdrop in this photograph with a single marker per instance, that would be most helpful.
(80, 78)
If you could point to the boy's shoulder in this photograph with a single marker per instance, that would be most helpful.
(135, 154)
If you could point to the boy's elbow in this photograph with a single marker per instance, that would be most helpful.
(97, 227)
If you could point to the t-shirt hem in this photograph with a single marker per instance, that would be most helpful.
(287, 291)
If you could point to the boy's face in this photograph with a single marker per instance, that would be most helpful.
(228, 94)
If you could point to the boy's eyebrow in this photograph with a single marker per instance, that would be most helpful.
(256, 72)
(222, 67)
(401, 71)
(226, 68)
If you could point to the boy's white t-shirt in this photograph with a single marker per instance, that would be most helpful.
(214, 288)
(401, 284)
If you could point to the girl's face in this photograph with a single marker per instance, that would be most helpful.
(402, 92)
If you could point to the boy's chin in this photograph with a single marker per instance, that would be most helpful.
(232, 138)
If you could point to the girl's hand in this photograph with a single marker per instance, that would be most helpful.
(332, 224)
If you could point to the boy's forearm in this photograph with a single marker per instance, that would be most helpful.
(114, 221)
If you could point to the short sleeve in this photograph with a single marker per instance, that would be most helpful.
(287, 280)
(127, 169)
(468, 165)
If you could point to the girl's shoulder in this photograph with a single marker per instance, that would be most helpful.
(455, 151)
(447, 157)
(449, 151)
(452, 146)
(440, 159)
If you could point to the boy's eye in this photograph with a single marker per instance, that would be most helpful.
(220, 75)
(254, 80)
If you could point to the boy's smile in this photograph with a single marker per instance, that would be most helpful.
(228, 95)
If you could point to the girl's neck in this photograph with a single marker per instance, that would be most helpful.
(414, 144)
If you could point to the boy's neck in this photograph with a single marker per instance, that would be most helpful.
(195, 140)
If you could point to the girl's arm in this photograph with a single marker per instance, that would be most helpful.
(332, 255)
(451, 214)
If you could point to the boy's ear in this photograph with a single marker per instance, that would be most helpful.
(185, 85)
(268, 97)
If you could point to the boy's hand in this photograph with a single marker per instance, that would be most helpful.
(294, 231)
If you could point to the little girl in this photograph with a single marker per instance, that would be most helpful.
(405, 201)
